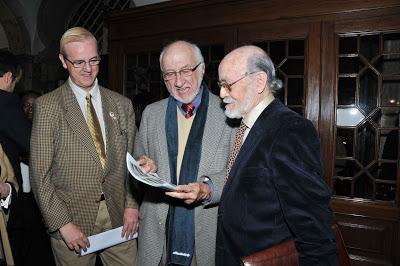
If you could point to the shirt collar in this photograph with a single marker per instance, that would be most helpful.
(94, 91)
(196, 101)
(250, 118)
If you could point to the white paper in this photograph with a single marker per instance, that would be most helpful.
(151, 179)
(104, 240)
(26, 185)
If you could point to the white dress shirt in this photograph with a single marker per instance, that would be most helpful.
(80, 95)
(250, 118)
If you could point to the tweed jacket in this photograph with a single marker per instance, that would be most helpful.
(66, 174)
(216, 145)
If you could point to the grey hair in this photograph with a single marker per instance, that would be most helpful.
(197, 52)
(262, 62)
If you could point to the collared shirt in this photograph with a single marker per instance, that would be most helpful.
(7, 201)
(196, 101)
(80, 95)
(250, 118)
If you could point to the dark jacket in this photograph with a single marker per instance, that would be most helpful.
(276, 192)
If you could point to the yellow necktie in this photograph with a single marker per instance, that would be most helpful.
(95, 130)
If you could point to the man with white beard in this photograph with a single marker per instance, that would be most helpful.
(274, 191)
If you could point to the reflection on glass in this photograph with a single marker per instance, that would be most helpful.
(348, 117)
(369, 46)
(385, 192)
(388, 64)
(296, 91)
(368, 91)
(385, 171)
(293, 67)
(390, 93)
(365, 152)
(342, 187)
(350, 65)
(296, 47)
(348, 45)
(363, 187)
(346, 168)
(389, 144)
(344, 142)
(369, 168)
(277, 52)
(391, 42)
(347, 91)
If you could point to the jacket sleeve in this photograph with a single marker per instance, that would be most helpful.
(303, 194)
(43, 147)
(130, 201)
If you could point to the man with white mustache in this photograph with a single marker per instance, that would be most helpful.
(186, 134)
(274, 191)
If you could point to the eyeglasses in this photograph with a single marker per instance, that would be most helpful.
(80, 63)
(228, 86)
(170, 75)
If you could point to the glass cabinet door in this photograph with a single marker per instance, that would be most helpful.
(367, 117)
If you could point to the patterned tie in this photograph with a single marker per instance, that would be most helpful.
(188, 108)
(236, 148)
(95, 130)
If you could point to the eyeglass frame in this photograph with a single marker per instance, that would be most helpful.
(82, 63)
(228, 86)
(180, 72)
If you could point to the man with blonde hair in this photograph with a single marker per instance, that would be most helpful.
(81, 133)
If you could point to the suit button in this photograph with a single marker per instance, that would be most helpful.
(159, 222)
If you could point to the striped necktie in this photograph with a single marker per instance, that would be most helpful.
(188, 108)
(95, 130)
(236, 148)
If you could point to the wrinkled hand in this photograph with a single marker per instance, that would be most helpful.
(131, 222)
(147, 165)
(74, 238)
(192, 192)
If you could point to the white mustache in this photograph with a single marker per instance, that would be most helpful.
(228, 100)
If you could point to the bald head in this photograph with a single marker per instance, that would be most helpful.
(246, 77)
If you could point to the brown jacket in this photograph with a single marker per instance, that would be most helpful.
(66, 175)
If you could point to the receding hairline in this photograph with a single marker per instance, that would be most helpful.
(195, 49)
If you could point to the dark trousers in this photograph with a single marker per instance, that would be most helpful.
(29, 241)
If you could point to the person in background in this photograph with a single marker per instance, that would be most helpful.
(80, 136)
(28, 99)
(274, 190)
(28, 239)
(189, 139)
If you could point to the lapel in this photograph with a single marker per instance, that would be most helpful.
(111, 123)
(77, 122)
(161, 139)
(261, 127)
(212, 128)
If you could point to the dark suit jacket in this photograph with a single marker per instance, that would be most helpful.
(15, 130)
(276, 192)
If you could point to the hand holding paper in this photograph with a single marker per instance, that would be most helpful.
(104, 240)
(151, 179)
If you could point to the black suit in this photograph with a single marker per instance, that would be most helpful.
(276, 192)
(29, 242)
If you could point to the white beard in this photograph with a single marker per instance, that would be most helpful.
(239, 111)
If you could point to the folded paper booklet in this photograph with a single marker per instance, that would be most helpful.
(151, 179)
(104, 240)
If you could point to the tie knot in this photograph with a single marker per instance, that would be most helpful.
(188, 108)
(88, 97)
